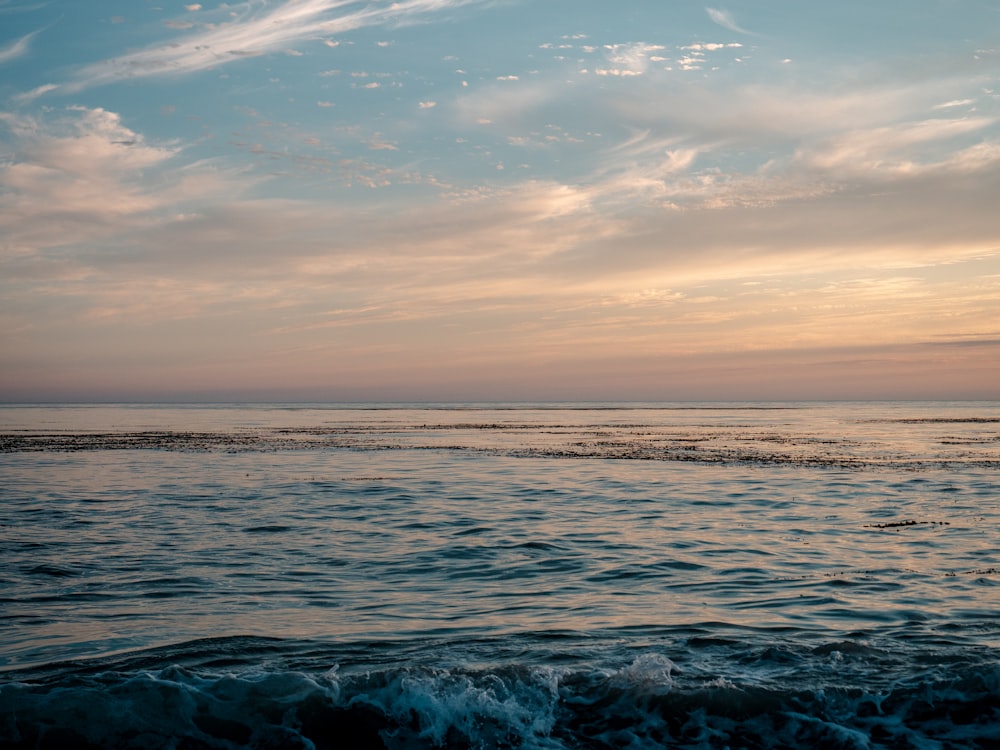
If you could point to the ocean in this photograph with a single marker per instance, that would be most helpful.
(752, 575)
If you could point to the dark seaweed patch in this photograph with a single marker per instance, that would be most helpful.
(900, 524)
(976, 572)
(939, 420)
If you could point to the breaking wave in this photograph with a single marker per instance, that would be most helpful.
(647, 702)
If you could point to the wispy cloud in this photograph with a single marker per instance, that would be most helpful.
(17, 48)
(36, 92)
(955, 103)
(903, 149)
(5, 8)
(256, 34)
(725, 19)
(82, 178)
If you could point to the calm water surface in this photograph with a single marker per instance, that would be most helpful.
(503, 575)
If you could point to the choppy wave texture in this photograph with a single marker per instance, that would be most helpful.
(648, 702)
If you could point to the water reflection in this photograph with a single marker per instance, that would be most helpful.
(494, 521)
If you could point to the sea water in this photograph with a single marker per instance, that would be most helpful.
(502, 575)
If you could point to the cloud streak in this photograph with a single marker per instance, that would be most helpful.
(725, 19)
(17, 48)
(257, 33)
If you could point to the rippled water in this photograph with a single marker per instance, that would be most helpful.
(484, 576)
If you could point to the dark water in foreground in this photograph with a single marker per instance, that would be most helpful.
(703, 576)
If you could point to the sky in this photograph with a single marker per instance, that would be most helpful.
(499, 200)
